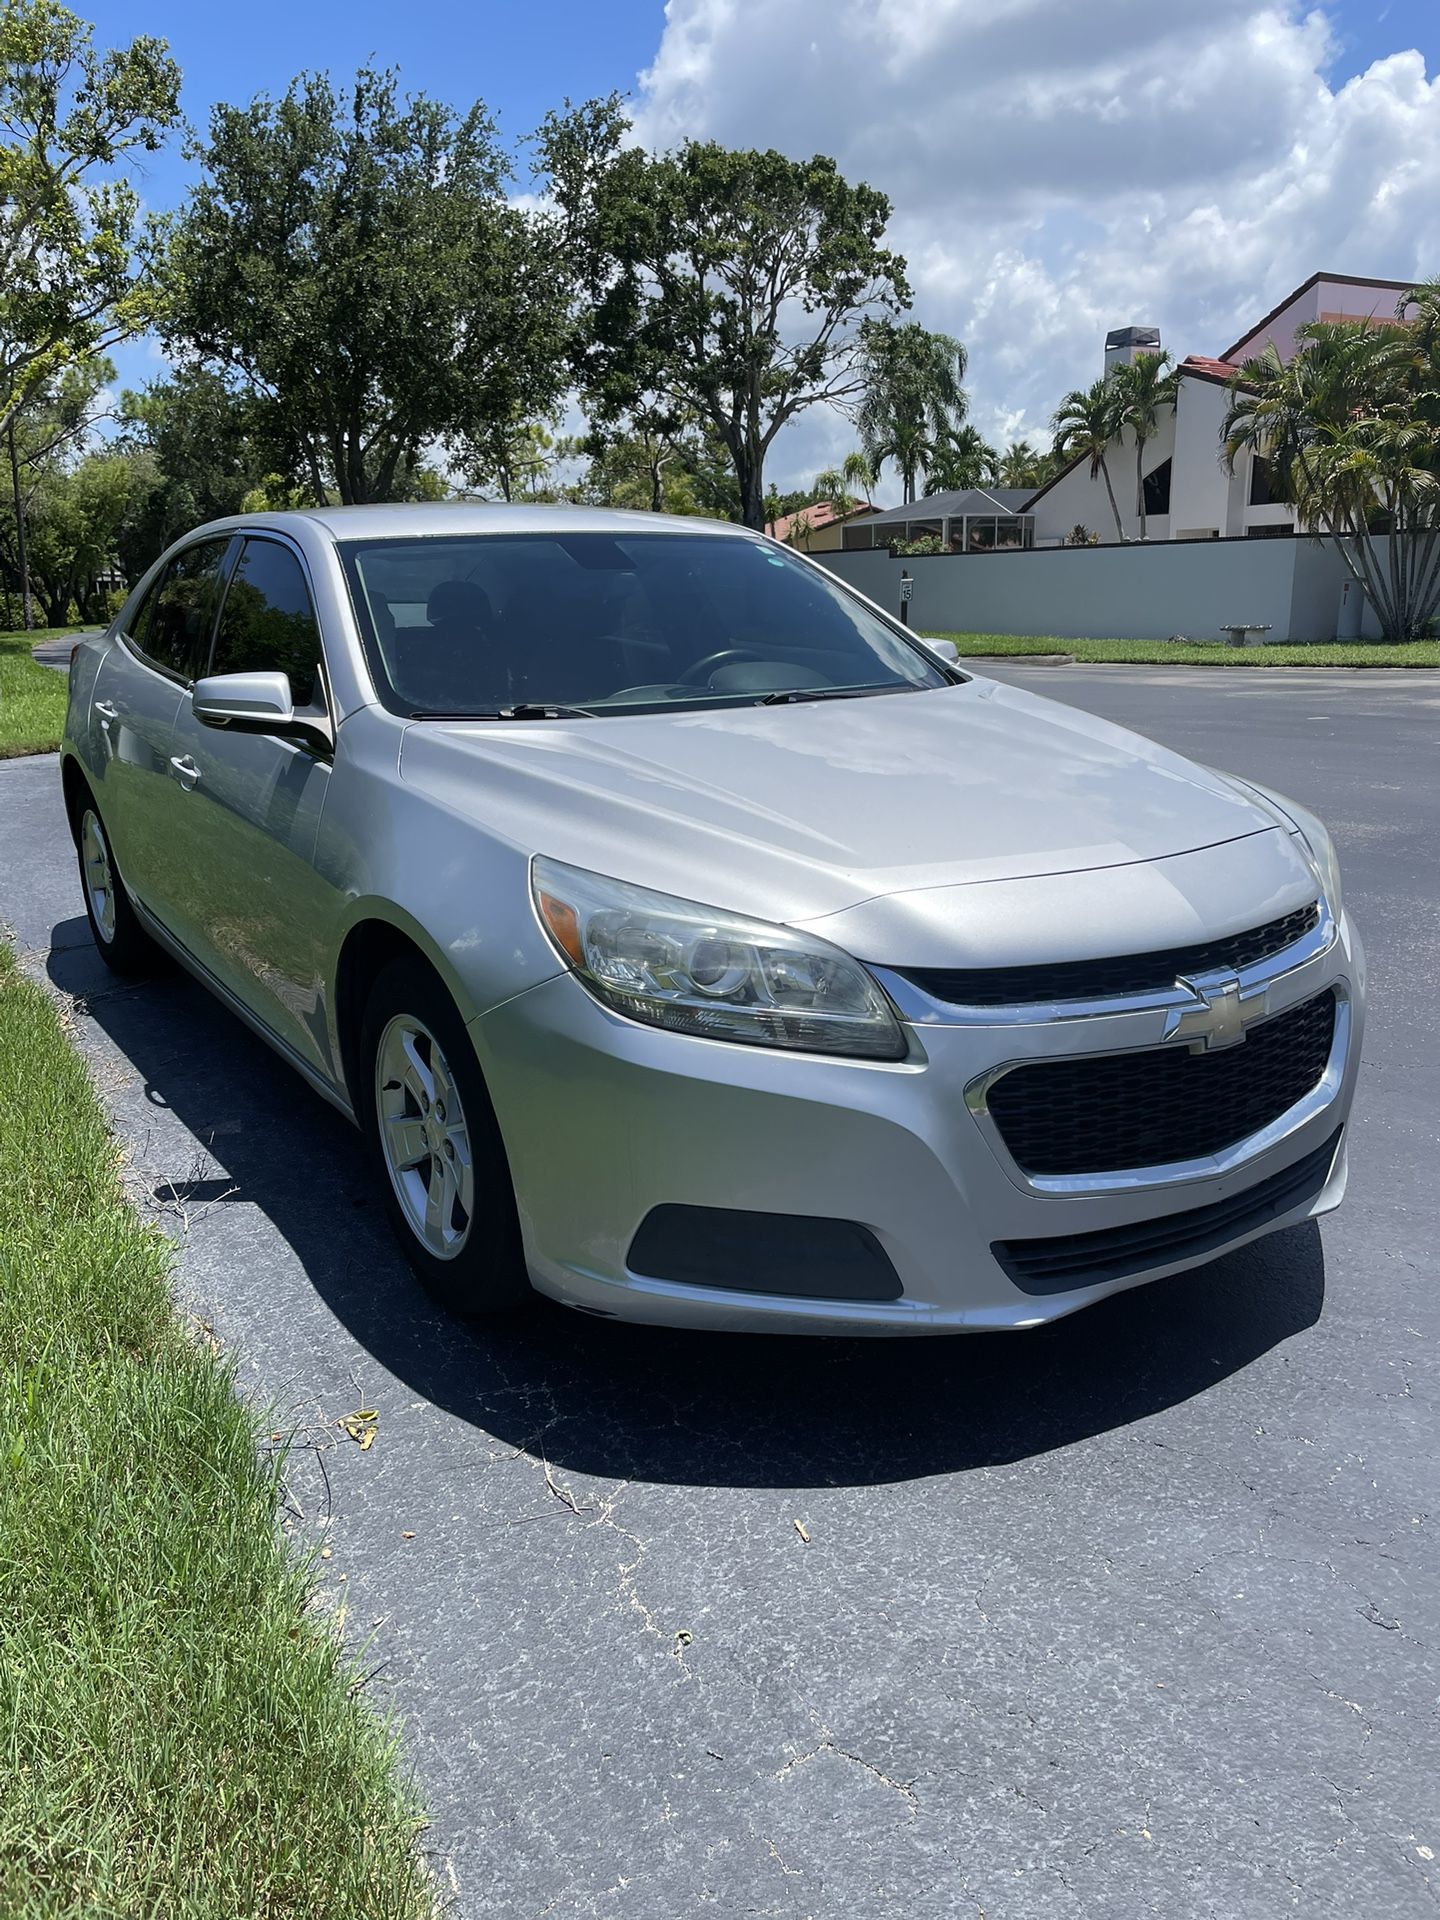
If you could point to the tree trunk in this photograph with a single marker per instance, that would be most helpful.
(20, 551)
(750, 477)
(1105, 474)
(1140, 483)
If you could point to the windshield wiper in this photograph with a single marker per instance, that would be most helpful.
(546, 710)
(784, 696)
(523, 710)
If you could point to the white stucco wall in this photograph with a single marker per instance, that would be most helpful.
(1077, 500)
(1128, 593)
(1203, 497)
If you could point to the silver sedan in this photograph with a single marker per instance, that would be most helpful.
(693, 943)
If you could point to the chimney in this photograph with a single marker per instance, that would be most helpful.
(1122, 344)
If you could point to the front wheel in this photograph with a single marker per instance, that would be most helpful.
(430, 1125)
(122, 942)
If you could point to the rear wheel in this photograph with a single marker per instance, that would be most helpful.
(122, 942)
(430, 1125)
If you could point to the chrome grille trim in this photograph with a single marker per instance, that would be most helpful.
(923, 1009)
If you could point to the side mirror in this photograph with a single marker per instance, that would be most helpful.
(946, 649)
(249, 702)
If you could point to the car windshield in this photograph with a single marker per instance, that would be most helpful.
(515, 625)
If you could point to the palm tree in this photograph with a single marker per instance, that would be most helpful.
(965, 459)
(1143, 387)
(1084, 423)
(856, 471)
(1351, 428)
(913, 401)
(1021, 465)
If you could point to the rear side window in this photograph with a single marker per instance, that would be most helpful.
(268, 623)
(172, 627)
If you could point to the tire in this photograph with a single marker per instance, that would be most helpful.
(444, 1177)
(122, 943)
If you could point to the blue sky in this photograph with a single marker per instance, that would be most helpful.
(1056, 167)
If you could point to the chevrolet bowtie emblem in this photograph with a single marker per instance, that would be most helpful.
(1218, 1018)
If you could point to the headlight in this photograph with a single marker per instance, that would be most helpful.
(1314, 834)
(679, 965)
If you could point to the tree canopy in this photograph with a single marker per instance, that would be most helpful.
(74, 248)
(724, 284)
(350, 260)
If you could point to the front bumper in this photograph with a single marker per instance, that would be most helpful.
(605, 1119)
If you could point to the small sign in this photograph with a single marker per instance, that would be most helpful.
(906, 588)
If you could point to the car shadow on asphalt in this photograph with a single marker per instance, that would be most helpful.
(640, 1403)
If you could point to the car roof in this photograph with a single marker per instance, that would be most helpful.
(419, 519)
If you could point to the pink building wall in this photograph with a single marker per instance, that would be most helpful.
(1323, 297)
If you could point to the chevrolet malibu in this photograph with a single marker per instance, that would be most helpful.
(693, 943)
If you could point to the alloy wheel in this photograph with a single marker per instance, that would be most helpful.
(99, 878)
(424, 1136)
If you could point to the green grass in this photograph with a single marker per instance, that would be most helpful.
(1333, 653)
(32, 699)
(182, 1731)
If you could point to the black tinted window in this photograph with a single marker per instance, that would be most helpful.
(172, 627)
(268, 624)
(475, 623)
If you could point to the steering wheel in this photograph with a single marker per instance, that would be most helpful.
(722, 657)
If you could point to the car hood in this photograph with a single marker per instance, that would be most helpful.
(791, 812)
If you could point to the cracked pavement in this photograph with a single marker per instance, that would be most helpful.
(1133, 1616)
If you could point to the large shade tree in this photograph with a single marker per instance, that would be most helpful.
(351, 261)
(74, 246)
(914, 400)
(1351, 428)
(202, 447)
(49, 547)
(725, 285)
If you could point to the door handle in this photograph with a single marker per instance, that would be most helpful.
(107, 710)
(186, 771)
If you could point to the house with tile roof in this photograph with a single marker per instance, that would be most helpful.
(820, 527)
(1188, 493)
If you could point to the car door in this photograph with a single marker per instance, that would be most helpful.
(256, 913)
(143, 680)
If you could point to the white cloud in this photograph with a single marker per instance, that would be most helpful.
(1058, 168)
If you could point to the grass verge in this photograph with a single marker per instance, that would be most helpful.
(182, 1731)
(1164, 653)
(32, 699)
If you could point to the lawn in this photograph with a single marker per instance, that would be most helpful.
(183, 1732)
(1331, 653)
(32, 699)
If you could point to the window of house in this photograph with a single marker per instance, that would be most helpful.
(1260, 487)
(1157, 488)
(172, 625)
(268, 624)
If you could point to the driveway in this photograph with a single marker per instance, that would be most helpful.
(1133, 1616)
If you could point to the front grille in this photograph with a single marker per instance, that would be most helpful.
(1104, 979)
(1069, 1260)
(1107, 1113)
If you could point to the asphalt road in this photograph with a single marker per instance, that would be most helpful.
(1134, 1616)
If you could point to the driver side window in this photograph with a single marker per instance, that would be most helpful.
(268, 624)
(171, 626)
